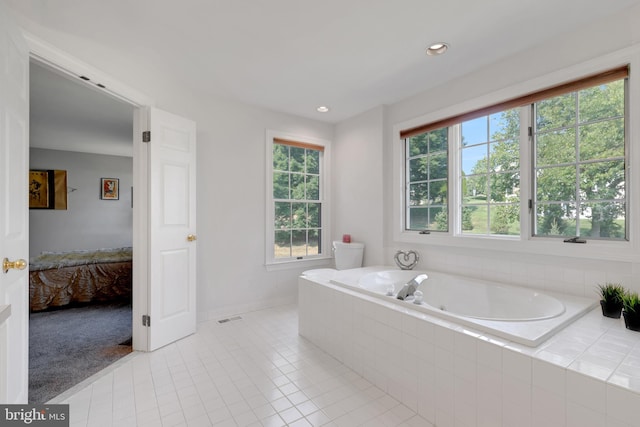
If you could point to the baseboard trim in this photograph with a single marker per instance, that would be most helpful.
(245, 308)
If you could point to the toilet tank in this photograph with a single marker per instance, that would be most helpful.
(348, 255)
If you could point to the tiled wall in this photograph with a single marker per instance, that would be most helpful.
(574, 276)
(454, 377)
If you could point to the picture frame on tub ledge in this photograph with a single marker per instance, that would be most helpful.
(109, 188)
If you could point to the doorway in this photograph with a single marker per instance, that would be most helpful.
(81, 313)
(165, 242)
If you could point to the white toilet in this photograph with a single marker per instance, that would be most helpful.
(348, 255)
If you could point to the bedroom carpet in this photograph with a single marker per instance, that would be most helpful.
(67, 346)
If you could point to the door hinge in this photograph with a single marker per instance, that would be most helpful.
(146, 136)
(146, 320)
(530, 205)
(530, 131)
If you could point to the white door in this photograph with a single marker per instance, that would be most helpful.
(172, 215)
(14, 222)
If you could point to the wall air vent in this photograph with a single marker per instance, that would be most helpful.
(229, 319)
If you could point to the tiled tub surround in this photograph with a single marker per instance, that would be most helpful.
(588, 374)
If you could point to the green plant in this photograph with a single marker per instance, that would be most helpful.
(441, 221)
(554, 229)
(611, 292)
(631, 302)
(467, 222)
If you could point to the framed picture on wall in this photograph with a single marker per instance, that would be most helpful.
(109, 188)
(40, 189)
(48, 189)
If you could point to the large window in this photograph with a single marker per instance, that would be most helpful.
(580, 184)
(296, 200)
(570, 143)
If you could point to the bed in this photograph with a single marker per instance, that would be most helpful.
(57, 279)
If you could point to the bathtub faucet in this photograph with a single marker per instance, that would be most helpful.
(410, 287)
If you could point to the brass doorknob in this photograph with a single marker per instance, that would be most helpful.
(191, 237)
(18, 265)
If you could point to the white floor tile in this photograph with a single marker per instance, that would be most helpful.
(256, 371)
(273, 421)
(318, 418)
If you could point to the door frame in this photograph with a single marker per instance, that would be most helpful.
(65, 64)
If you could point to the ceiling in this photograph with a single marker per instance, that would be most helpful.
(294, 55)
(68, 115)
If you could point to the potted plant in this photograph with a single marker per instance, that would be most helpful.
(631, 313)
(611, 299)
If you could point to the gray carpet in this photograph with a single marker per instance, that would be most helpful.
(67, 346)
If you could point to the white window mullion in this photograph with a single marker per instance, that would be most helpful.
(527, 173)
(578, 202)
(455, 181)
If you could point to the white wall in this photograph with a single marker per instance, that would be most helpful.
(88, 222)
(357, 182)
(567, 274)
(232, 276)
(231, 273)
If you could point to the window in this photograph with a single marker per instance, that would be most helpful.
(569, 138)
(580, 184)
(427, 186)
(295, 200)
(490, 174)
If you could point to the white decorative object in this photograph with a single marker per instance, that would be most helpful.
(409, 259)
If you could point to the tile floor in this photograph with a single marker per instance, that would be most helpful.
(255, 371)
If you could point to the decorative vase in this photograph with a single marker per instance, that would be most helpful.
(632, 320)
(611, 309)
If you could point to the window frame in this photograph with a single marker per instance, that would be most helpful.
(577, 126)
(271, 262)
(428, 180)
(488, 204)
(525, 242)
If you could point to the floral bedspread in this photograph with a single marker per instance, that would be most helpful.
(58, 279)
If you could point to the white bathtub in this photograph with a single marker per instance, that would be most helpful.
(521, 315)
(469, 297)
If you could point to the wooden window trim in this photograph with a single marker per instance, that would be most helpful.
(298, 144)
(571, 86)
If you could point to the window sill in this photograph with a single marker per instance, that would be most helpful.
(593, 249)
(298, 263)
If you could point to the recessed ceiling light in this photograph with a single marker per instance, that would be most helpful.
(437, 49)
(323, 109)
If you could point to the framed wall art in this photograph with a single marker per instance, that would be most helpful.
(40, 189)
(48, 189)
(109, 188)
